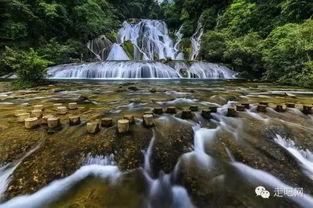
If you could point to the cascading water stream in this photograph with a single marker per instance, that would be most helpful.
(304, 157)
(7, 171)
(196, 40)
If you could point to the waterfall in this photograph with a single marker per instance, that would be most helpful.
(150, 38)
(179, 36)
(144, 49)
(196, 40)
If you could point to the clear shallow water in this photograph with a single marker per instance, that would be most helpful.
(179, 163)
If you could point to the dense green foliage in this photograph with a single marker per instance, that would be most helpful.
(59, 30)
(269, 40)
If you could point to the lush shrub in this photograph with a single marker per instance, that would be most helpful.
(28, 66)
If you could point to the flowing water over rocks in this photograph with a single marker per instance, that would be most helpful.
(144, 49)
(203, 160)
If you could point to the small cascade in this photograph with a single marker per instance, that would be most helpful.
(196, 40)
(7, 171)
(140, 70)
(303, 157)
(114, 70)
(117, 53)
(59, 187)
(148, 154)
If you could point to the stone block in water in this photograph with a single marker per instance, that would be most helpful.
(186, 114)
(106, 122)
(148, 112)
(307, 109)
(240, 107)
(44, 119)
(148, 120)
(261, 108)
(231, 112)
(72, 106)
(264, 103)
(246, 105)
(22, 116)
(213, 109)
(93, 127)
(158, 110)
(17, 112)
(36, 113)
(206, 113)
(194, 108)
(62, 110)
(131, 118)
(279, 108)
(74, 120)
(291, 105)
(290, 95)
(31, 123)
(123, 126)
(171, 110)
(53, 122)
(56, 105)
(39, 107)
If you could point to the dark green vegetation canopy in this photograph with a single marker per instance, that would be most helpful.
(269, 39)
